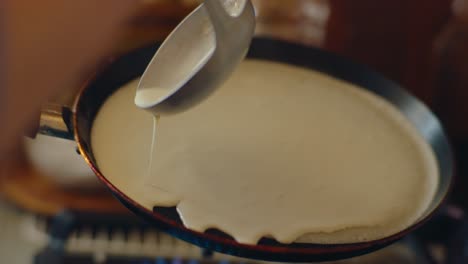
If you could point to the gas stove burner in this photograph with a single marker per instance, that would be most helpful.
(85, 238)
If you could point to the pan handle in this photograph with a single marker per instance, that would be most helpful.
(56, 121)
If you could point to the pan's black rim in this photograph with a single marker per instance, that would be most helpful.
(284, 52)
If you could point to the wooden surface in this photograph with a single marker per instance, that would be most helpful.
(28, 189)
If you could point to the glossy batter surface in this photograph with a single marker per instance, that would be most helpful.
(279, 151)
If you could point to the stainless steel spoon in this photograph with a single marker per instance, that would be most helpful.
(197, 56)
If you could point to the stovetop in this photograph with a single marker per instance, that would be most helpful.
(78, 238)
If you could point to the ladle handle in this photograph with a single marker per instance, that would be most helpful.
(218, 14)
(56, 121)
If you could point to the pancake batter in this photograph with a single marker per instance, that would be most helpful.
(278, 151)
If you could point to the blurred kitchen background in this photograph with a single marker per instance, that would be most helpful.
(421, 44)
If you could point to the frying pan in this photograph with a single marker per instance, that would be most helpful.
(130, 66)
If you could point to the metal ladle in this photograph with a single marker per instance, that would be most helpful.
(197, 56)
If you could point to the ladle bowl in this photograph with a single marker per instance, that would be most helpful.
(197, 57)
